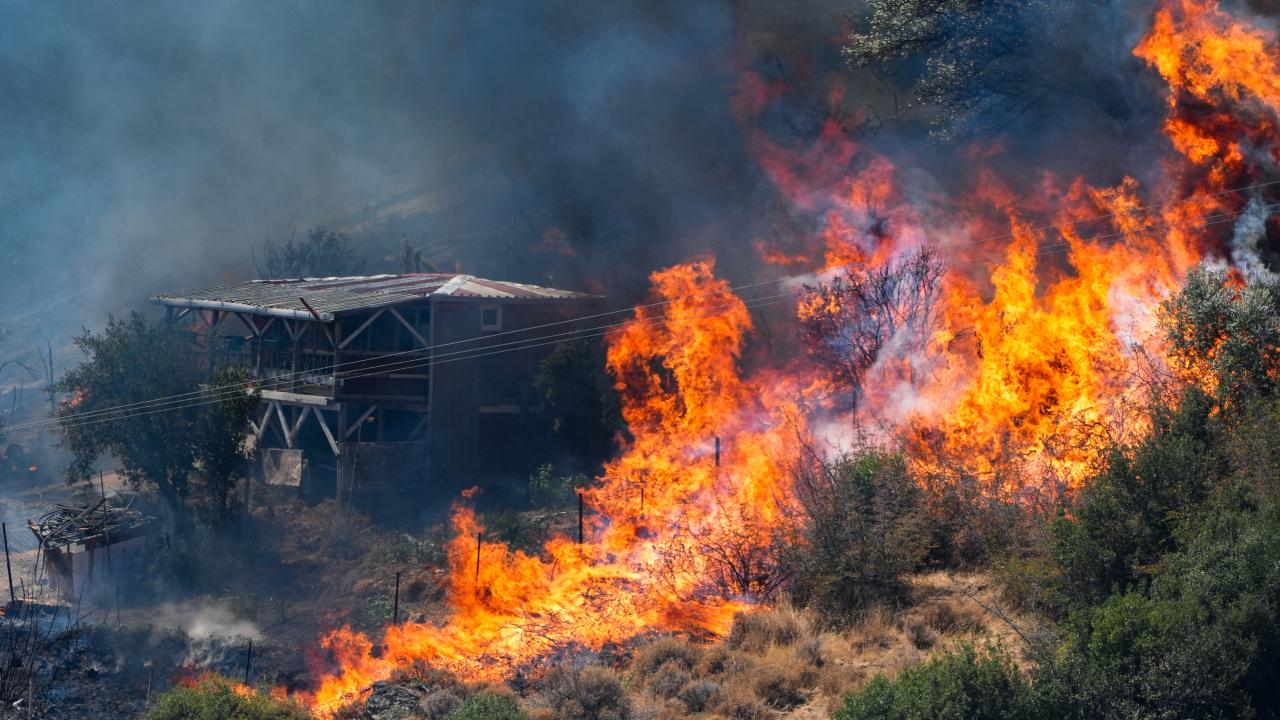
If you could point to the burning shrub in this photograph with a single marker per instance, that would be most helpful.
(217, 698)
(864, 527)
(589, 693)
(846, 324)
(487, 706)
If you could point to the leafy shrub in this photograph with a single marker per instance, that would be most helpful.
(546, 489)
(1124, 521)
(965, 684)
(864, 526)
(1231, 333)
(487, 706)
(516, 530)
(217, 698)
(1201, 643)
(589, 693)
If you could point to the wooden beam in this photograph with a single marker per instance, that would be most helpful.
(417, 428)
(297, 425)
(359, 422)
(284, 427)
(347, 340)
(260, 428)
(412, 330)
(324, 426)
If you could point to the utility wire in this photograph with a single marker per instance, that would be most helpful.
(116, 413)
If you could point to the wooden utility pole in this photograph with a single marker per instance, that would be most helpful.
(53, 408)
(395, 606)
(8, 567)
(579, 517)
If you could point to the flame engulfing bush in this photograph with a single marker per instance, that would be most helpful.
(869, 315)
(864, 526)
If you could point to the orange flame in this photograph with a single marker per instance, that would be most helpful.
(655, 512)
(1046, 315)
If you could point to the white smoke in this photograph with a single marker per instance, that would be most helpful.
(1250, 228)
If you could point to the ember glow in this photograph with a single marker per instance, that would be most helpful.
(1045, 317)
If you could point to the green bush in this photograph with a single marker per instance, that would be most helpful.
(1231, 332)
(217, 698)
(1201, 643)
(966, 684)
(487, 706)
(1123, 522)
(864, 526)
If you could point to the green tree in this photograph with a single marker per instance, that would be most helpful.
(1230, 332)
(864, 525)
(1124, 520)
(583, 404)
(1201, 642)
(222, 447)
(217, 698)
(974, 66)
(321, 253)
(113, 410)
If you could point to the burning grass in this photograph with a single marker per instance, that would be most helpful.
(774, 663)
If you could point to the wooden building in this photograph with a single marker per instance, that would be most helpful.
(386, 383)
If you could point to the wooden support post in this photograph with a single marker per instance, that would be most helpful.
(296, 370)
(479, 541)
(579, 517)
(53, 408)
(717, 451)
(395, 605)
(8, 567)
(102, 486)
(248, 662)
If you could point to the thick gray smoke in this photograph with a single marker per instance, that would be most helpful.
(150, 146)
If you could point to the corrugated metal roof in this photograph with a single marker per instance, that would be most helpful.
(329, 296)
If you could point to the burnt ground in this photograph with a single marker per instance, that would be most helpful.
(278, 579)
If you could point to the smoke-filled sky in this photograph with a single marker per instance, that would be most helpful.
(151, 146)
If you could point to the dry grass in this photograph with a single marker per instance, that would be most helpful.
(781, 663)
